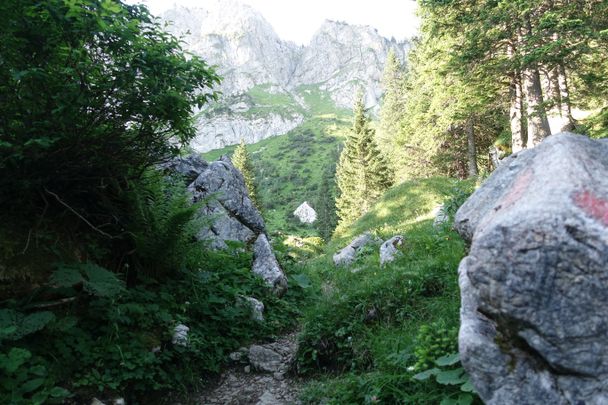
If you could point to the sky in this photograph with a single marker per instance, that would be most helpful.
(297, 20)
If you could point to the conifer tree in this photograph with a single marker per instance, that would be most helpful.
(393, 102)
(242, 161)
(362, 173)
(326, 208)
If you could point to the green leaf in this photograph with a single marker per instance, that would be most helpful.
(467, 386)
(448, 360)
(39, 371)
(32, 385)
(102, 282)
(452, 377)
(59, 392)
(35, 322)
(462, 399)
(66, 276)
(302, 280)
(425, 375)
(15, 359)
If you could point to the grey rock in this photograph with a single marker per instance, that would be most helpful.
(235, 356)
(190, 167)
(389, 251)
(257, 309)
(266, 265)
(305, 213)
(534, 324)
(230, 215)
(247, 369)
(224, 182)
(441, 217)
(347, 255)
(95, 401)
(180, 335)
(265, 359)
(268, 398)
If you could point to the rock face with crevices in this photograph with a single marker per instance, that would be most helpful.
(534, 324)
(230, 213)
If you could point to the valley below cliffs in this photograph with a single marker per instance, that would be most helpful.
(271, 86)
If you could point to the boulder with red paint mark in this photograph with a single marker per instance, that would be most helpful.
(534, 316)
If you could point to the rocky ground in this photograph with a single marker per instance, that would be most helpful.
(260, 375)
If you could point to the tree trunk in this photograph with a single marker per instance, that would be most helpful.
(565, 106)
(471, 149)
(555, 92)
(538, 124)
(518, 128)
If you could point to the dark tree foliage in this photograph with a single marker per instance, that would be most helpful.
(362, 173)
(92, 93)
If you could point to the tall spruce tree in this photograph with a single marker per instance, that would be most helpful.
(326, 204)
(242, 161)
(393, 102)
(362, 173)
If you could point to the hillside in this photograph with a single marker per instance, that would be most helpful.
(378, 327)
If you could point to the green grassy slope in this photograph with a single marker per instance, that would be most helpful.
(373, 329)
(289, 168)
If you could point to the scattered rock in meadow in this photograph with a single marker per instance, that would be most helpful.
(348, 254)
(441, 217)
(534, 324)
(305, 213)
(389, 249)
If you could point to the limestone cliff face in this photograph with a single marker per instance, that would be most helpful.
(267, 82)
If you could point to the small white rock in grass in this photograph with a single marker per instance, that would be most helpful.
(180, 335)
(389, 251)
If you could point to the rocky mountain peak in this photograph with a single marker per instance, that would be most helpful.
(266, 80)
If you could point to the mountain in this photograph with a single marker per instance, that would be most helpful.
(271, 86)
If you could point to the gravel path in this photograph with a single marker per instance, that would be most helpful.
(260, 376)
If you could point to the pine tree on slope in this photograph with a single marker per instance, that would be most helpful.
(242, 161)
(362, 174)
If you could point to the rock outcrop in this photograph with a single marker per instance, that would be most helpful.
(534, 325)
(230, 213)
(269, 85)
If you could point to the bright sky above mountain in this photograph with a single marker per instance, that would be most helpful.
(298, 20)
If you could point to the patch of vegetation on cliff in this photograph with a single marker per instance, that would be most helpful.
(374, 329)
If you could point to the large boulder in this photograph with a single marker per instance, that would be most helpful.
(231, 213)
(305, 213)
(534, 324)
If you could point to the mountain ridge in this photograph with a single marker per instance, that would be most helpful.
(272, 85)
